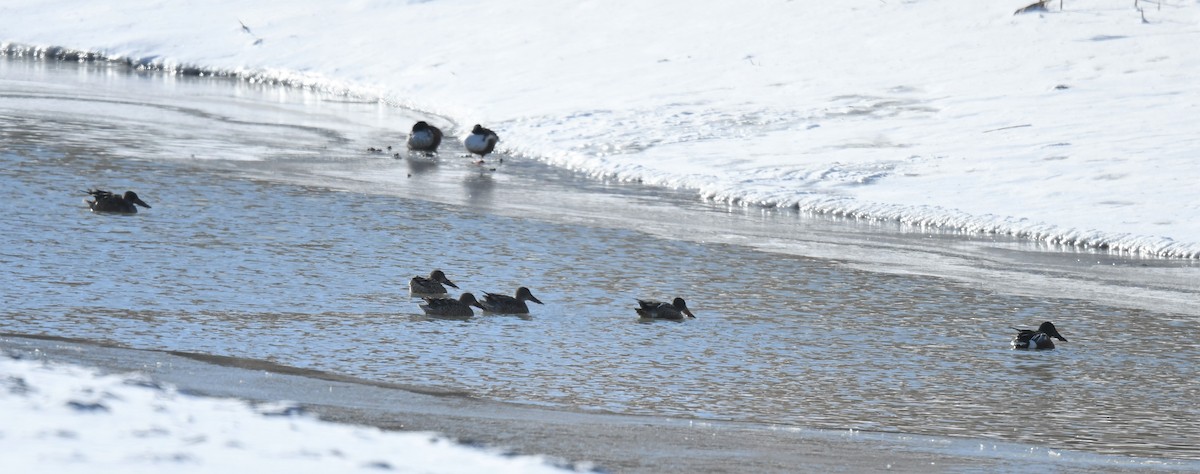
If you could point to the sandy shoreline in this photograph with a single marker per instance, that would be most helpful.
(608, 442)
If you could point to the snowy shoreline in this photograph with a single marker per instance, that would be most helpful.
(1055, 127)
(156, 410)
(68, 418)
(943, 220)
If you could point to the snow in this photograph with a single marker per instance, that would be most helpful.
(1074, 125)
(64, 418)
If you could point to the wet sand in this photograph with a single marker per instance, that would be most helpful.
(599, 441)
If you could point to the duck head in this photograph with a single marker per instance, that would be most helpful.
(681, 305)
(469, 300)
(440, 277)
(1048, 329)
(523, 293)
(132, 197)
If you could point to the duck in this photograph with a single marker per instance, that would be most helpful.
(424, 137)
(430, 286)
(674, 310)
(458, 308)
(104, 201)
(481, 141)
(1042, 338)
(504, 304)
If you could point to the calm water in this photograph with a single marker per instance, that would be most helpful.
(275, 236)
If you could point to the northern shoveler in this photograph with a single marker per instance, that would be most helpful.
(481, 141)
(430, 286)
(658, 310)
(104, 201)
(504, 304)
(424, 137)
(459, 308)
(1042, 338)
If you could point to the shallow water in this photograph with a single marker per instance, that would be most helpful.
(274, 235)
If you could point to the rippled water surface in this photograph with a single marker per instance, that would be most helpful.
(274, 235)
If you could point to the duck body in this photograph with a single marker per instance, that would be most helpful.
(1042, 338)
(675, 310)
(450, 307)
(481, 141)
(424, 137)
(504, 304)
(430, 286)
(104, 201)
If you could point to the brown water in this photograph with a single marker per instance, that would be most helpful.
(274, 235)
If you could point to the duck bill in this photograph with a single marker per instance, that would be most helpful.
(141, 203)
(535, 300)
(689, 313)
(1063, 339)
(448, 282)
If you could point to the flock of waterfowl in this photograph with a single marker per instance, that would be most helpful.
(426, 138)
(432, 289)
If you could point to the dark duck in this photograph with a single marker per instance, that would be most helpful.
(1042, 338)
(104, 201)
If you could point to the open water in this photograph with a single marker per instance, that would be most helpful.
(276, 235)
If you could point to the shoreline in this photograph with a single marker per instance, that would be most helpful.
(998, 262)
(952, 222)
(520, 190)
(829, 228)
(609, 442)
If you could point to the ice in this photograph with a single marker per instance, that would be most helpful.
(1072, 125)
(64, 418)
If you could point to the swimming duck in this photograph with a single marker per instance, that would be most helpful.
(451, 307)
(1040, 339)
(497, 303)
(430, 286)
(481, 141)
(105, 201)
(658, 310)
(424, 137)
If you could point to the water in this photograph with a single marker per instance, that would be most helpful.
(274, 235)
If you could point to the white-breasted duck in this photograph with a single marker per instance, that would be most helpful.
(1042, 338)
(481, 141)
(424, 137)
